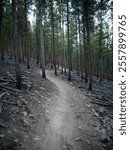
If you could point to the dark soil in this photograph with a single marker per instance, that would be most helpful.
(53, 113)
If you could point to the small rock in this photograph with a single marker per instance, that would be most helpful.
(88, 142)
(42, 96)
(65, 148)
(39, 102)
(16, 140)
(2, 135)
(31, 116)
(69, 144)
(9, 132)
(77, 115)
(42, 88)
(104, 137)
(25, 122)
(104, 146)
(96, 114)
(95, 125)
(22, 146)
(101, 109)
(78, 139)
(37, 138)
(24, 113)
(87, 105)
(79, 127)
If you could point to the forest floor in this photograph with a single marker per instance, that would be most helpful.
(53, 113)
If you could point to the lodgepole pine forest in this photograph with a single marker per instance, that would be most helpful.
(56, 74)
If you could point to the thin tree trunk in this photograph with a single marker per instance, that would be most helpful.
(108, 41)
(62, 31)
(88, 46)
(1, 45)
(26, 35)
(62, 36)
(1, 21)
(69, 51)
(100, 44)
(15, 46)
(81, 57)
(89, 59)
(77, 52)
(64, 52)
(41, 40)
(53, 38)
(85, 50)
(37, 41)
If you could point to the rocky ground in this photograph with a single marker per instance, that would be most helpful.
(53, 113)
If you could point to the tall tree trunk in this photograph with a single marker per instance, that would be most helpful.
(1, 21)
(77, 47)
(15, 45)
(88, 14)
(62, 31)
(1, 43)
(26, 35)
(89, 59)
(100, 43)
(37, 41)
(64, 52)
(80, 47)
(69, 51)
(85, 50)
(62, 35)
(108, 41)
(53, 38)
(41, 40)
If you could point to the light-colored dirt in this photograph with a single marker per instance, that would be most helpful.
(70, 120)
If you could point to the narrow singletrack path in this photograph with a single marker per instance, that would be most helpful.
(66, 126)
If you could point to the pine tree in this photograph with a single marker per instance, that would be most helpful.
(15, 45)
(41, 39)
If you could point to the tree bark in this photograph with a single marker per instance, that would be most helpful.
(41, 40)
(53, 38)
(80, 48)
(77, 47)
(1, 21)
(85, 50)
(15, 45)
(69, 51)
(100, 43)
(88, 8)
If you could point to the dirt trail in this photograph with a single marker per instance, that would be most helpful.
(66, 126)
(54, 114)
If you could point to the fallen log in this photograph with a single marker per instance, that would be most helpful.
(10, 75)
(10, 103)
(2, 126)
(3, 94)
(3, 80)
(3, 83)
(11, 89)
(102, 104)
